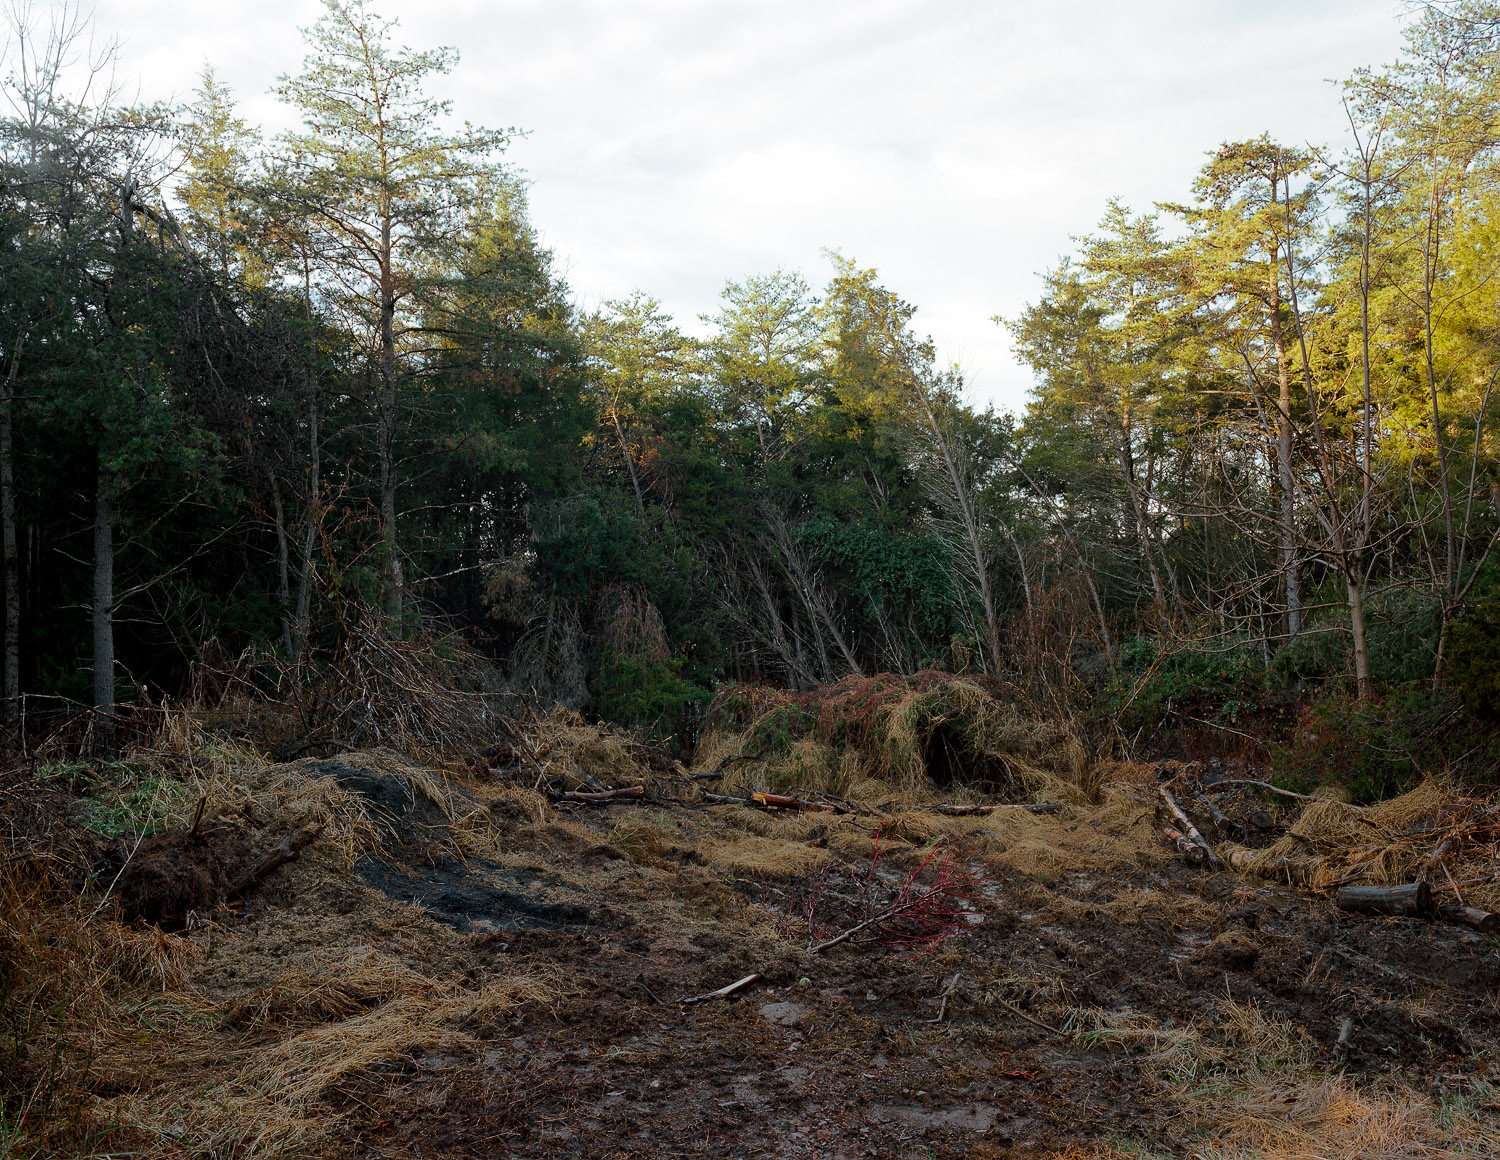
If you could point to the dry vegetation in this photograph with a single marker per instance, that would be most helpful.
(465, 962)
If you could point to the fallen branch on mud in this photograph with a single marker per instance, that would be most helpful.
(722, 992)
(604, 796)
(289, 847)
(1014, 1010)
(985, 811)
(1265, 785)
(936, 907)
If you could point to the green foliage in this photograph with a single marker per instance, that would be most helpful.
(1375, 751)
(1474, 660)
(1150, 685)
(901, 571)
(130, 801)
(646, 693)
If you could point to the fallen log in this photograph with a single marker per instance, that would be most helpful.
(719, 799)
(1215, 814)
(289, 847)
(1191, 852)
(985, 811)
(1481, 920)
(1191, 830)
(722, 992)
(1414, 898)
(609, 795)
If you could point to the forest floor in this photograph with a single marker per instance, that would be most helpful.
(457, 966)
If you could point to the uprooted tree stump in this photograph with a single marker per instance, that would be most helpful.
(183, 871)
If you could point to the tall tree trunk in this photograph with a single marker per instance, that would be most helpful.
(283, 561)
(104, 624)
(307, 575)
(974, 541)
(1287, 480)
(394, 582)
(1362, 685)
(635, 483)
(9, 539)
(1450, 580)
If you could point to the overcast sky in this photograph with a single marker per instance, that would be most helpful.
(952, 144)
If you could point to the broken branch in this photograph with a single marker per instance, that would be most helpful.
(290, 847)
(722, 992)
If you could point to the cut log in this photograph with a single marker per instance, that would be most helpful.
(1191, 830)
(1481, 920)
(782, 802)
(1415, 898)
(289, 848)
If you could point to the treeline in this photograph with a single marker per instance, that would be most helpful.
(255, 391)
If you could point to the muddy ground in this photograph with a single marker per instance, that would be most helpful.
(1083, 992)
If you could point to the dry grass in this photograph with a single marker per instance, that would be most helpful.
(892, 730)
(1432, 832)
(1252, 1089)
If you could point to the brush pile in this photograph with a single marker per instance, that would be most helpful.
(886, 738)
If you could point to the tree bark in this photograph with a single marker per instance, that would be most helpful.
(307, 575)
(283, 560)
(1287, 479)
(394, 581)
(10, 545)
(104, 627)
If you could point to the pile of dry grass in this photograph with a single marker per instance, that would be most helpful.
(161, 1034)
(1432, 832)
(898, 737)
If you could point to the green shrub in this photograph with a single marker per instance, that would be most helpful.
(1474, 660)
(1149, 685)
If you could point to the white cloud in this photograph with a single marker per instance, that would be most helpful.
(953, 144)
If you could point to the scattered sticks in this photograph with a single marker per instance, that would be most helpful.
(985, 811)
